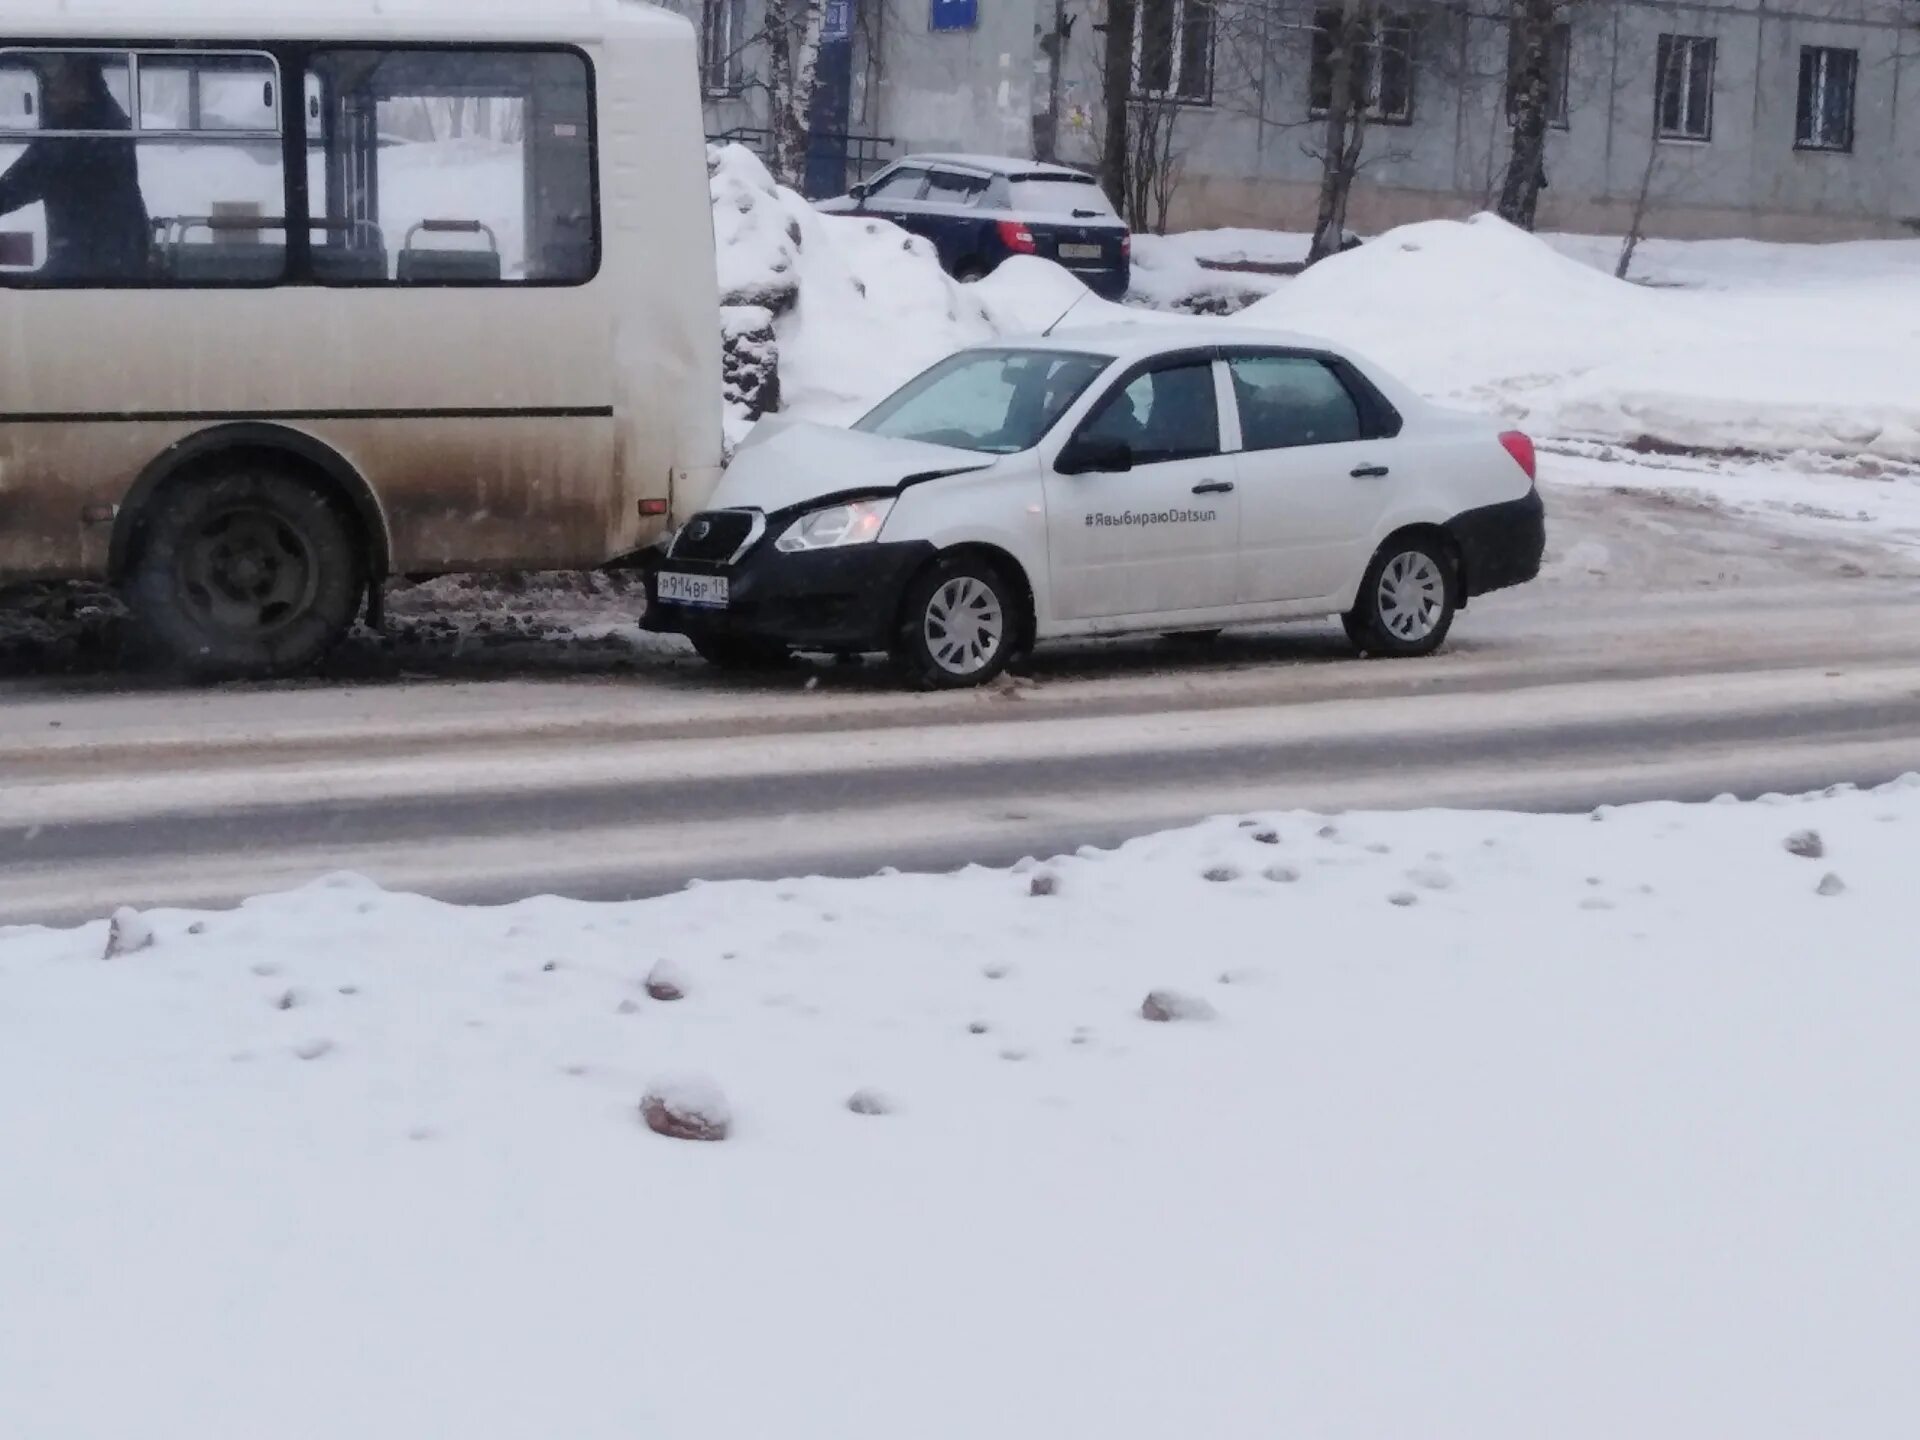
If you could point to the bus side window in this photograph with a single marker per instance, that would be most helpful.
(181, 183)
(450, 167)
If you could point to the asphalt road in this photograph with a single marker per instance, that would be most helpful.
(1668, 653)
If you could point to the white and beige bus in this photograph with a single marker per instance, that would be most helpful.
(296, 296)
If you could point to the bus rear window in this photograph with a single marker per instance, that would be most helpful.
(450, 167)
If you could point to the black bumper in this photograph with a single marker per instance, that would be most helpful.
(1500, 545)
(846, 599)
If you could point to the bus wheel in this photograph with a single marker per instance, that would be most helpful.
(246, 572)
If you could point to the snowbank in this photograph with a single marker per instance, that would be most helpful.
(1240, 268)
(1499, 1126)
(1482, 314)
(860, 305)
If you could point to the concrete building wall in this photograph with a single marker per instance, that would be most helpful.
(1245, 157)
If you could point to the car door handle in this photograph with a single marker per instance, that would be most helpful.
(1369, 472)
(1214, 487)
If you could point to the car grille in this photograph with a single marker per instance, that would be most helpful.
(715, 535)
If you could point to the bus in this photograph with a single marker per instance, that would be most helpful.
(297, 297)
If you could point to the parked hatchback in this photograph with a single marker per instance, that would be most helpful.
(978, 210)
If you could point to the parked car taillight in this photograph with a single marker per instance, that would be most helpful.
(1520, 447)
(1126, 247)
(1017, 237)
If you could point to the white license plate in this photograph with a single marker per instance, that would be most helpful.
(691, 589)
(1080, 252)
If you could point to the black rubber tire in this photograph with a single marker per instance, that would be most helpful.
(914, 655)
(1364, 624)
(970, 272)
(195, 607)
(740, 652)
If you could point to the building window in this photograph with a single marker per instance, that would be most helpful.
(1382, 65)
(722, 22)
(1559, 73)
(1826, 98)
(1173, 50)
(1684, 87)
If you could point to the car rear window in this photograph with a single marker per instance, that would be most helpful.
(1060, 196)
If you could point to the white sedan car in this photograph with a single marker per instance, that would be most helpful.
(1148, 478)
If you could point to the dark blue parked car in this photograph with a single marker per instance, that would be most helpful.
(979, 209)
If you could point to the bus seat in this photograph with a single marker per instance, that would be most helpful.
(229, 262)
(441, 267)
(353, 267)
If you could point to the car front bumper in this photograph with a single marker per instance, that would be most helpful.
(846, 599)
(1501, 545)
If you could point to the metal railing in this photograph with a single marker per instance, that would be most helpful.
(865, 154)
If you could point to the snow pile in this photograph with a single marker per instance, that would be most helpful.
(1213, 272)
(1482, 314)
(1466, 1125)
(858, 305)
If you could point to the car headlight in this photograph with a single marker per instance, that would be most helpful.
(857, 522)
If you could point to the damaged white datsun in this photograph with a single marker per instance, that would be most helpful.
(1147, 478)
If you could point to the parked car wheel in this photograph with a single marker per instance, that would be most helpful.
(958, 623)
(970, 272)
(1407, 602)
(246, 572)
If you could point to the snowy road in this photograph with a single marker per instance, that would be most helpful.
(1670, 651)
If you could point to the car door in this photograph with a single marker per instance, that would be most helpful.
(1315, 476)
(896, 195)
(946, 213)
(1159, 537)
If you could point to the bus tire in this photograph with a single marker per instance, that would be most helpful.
(246, 572)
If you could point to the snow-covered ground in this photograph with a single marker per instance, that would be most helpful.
(1469, 1125)
(1481, 314)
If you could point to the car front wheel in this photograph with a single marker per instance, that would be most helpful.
(1407, 601)
(957, 626)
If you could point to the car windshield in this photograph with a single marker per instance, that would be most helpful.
(1062, 195)
(998, 402)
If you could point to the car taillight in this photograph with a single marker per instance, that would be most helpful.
(1017, 237)
(1520, 447)
(1126, 247)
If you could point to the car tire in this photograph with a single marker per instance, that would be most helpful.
(1407, 601)
(971, 272)
(958, 624)
(246, 572)
(740, 652)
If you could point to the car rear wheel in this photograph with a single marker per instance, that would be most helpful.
(968, 272)
(1407, 601)
(245, 573)
(958, 625)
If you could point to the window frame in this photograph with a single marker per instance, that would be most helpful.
(729, 65)
(1667, 46)
(1806, 108)
(295, 57)
(1320, 53)
(1141, 93)
(1362, 416)
(979, 182)
(1379, 418)
(308, 50)
(132, 51)
(1208, 356)
(924, 170)
(1560, 52)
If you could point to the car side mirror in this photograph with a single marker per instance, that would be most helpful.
(859, 192)
(1087, 455)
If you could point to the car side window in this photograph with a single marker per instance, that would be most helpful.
(1167, 414)
(898, 185)
(952, 188)
(1292, 400)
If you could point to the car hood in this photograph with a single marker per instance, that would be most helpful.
(785, 463)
